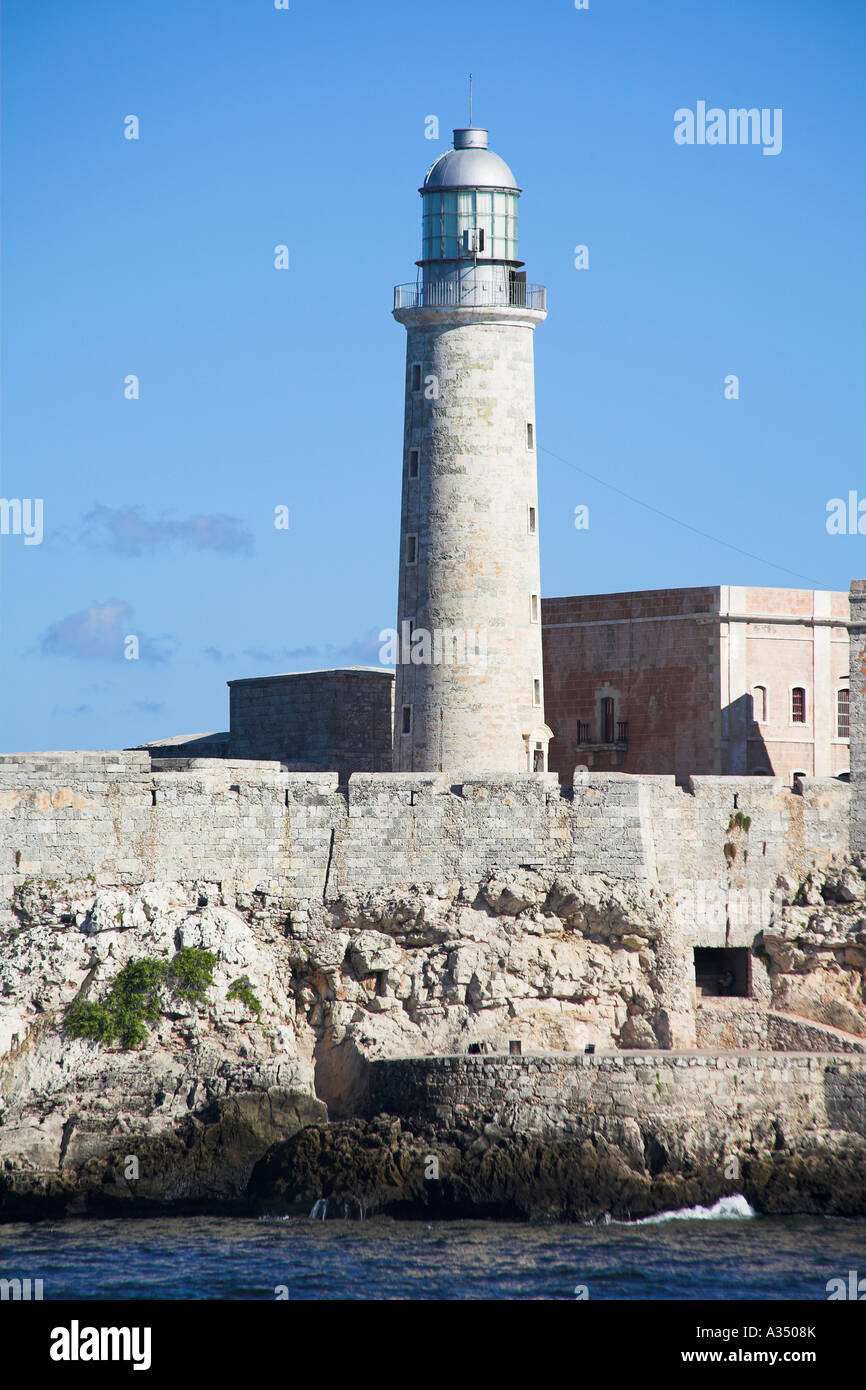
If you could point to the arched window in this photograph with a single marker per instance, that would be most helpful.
(759, 704)
(843, 713)
(798, 705)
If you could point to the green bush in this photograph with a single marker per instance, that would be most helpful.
(86, 1020)
(191, 973)
(133, 1000)
(243, 990)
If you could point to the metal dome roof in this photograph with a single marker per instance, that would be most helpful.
(470, 164)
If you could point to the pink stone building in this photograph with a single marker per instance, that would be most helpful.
(705, 680)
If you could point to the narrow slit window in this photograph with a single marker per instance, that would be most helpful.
(531, 523)
(533, 608)
(414, 462)
(530, 435)
(407, 719)
(416, 376)
(536, 691)
(411, 550)
(798, 705)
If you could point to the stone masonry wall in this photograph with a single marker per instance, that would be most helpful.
(108, 816)
(706, 1097)
(315, 720)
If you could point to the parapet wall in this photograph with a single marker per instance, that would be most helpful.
(109, 816)
(721, 1099)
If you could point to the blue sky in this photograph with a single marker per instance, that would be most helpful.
(261, 388)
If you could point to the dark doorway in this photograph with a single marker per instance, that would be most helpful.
(723, 970)
(607, 721)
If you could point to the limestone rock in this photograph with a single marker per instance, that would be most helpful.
(638, 1032)
(372, 951)
(513, 893)
(850, 887)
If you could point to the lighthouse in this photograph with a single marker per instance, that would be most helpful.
(469, 688)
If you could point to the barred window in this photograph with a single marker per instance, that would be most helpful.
(843, 713)
(798, 705)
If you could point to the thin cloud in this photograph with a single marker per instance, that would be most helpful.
(130, 531)
(99, 633)
(364, 651)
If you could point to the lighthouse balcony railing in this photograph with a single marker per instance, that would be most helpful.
(446, 294)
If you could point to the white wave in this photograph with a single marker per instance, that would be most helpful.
(725, 1209)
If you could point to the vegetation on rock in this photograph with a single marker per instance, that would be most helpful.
(134, 998)
(242, 989)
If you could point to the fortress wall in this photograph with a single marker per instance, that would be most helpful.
(720, 844)
(70, 815)
(109, 816)
(245, 824)
(721, 1100)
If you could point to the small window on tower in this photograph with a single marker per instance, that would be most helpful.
(414, 462)
(530, 435)
(533, 608)
(536, 692)
(843, 714)
(407, 719)
(531, 525)
(416, 376)
(411, 550)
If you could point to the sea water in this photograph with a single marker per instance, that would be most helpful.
(721, 1252)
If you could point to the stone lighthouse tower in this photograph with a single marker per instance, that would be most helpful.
(469, 692)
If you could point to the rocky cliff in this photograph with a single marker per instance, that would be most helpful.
(553, 961)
